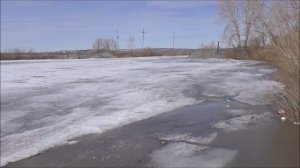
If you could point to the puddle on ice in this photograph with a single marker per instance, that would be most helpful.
(237, 112)
(179, 154)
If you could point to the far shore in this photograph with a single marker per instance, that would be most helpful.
(90, 53)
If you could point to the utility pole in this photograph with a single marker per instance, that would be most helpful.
(117, 39)
(218, 47)
(173, 39)
(143, 38)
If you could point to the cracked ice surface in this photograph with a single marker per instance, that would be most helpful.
(45, 103)
(188, 155)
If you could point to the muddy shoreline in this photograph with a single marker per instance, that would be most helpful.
(263, 144)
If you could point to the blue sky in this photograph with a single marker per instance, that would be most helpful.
(68, 25)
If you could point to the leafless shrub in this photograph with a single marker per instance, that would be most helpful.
(105, 44)
(205, 51)
(271, 33)
(211, 45)
(240, 18)
(131, 42)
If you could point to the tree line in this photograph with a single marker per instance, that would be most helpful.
(257, 23)
(101, 44)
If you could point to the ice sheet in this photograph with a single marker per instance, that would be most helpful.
(189, 138)
(48, 102)
(181, 154)
(242, 122)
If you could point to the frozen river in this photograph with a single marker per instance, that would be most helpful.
(46, 103)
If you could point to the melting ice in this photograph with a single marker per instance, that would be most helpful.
(46, 103)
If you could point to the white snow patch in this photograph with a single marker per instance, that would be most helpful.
(188, 155)
(72, 142)
(189, 138)
(80, 122)
(242, 122)
(256, 93)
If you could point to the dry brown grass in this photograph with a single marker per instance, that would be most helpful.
(137, 53)
(26, 56)
(204, 53)
(148, 52)
(103, 53)
(273, 31)
(288, 74)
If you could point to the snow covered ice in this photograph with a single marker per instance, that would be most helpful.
(241, 122)
(46, 103)
(188, 155)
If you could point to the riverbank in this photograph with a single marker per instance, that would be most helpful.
(90, 53)
(287, 74)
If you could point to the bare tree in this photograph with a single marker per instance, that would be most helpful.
(274, 26)
(281, 22)
(131, 42)
(287, 22)
(98, 44)
(250, 15)
(211, 45)
(240, 18)
(258, 23)
(112, 44)
(229, 14)
(105, 44)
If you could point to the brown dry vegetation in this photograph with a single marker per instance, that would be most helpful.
(146, 52)
(271, 34)
(94, 53)
(206, 51)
